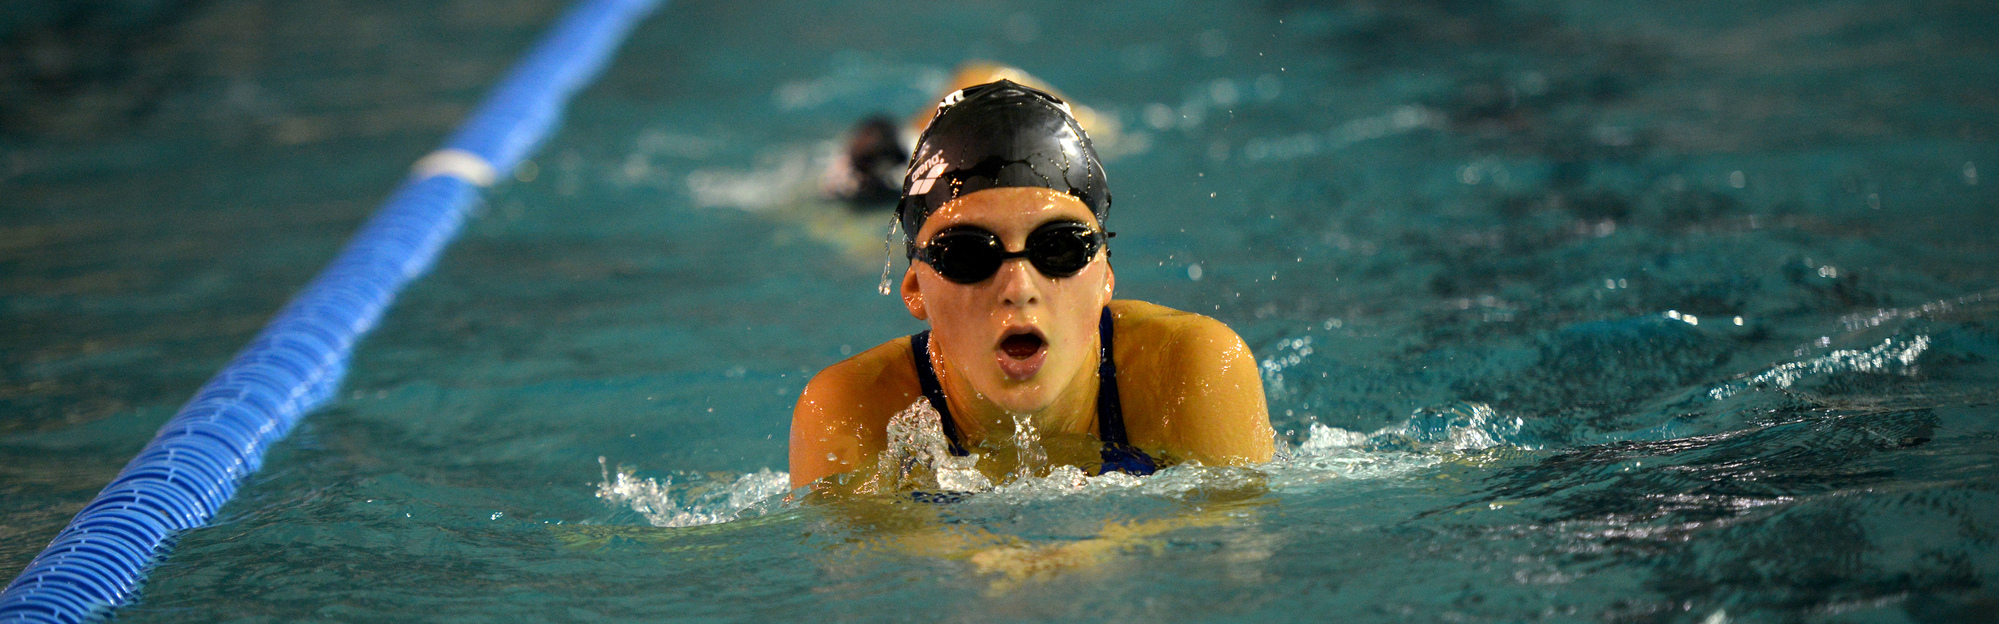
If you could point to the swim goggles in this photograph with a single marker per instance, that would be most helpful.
(968, 255)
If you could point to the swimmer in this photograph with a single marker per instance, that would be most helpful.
(869, 171)
(1004, 215)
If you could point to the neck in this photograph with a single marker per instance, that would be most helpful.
(979, 419)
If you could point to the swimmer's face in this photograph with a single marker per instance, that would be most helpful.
(1019, 338)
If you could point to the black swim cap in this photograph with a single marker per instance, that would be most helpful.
(994, 135)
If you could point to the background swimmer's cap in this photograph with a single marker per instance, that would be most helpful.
(994, 135)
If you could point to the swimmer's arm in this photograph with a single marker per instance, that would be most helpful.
(820, 437)
(839, 423)
(1218, 415)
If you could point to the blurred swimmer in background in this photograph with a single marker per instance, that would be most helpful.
(837, 193)
(868, 173)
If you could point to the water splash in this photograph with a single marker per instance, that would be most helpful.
(1429, 437)
(1900, 354)
(1179, 481)
(1287, 354)
(1033, 458)
(1454, 428)
(1334, 454)
(918, 456)
(1973, 306)
(888, 251)
(697, 501)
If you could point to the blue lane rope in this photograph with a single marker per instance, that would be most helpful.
(200, 456)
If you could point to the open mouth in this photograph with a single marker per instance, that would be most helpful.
(1022, 346)
(1021, 353)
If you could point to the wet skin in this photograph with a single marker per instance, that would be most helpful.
(1022, 342)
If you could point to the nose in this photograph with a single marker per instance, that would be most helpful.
(1018, 283)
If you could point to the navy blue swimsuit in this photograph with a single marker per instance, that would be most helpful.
(1118, 453)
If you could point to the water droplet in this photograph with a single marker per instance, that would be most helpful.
(888, 251)
(1194, 271)
(832, 458)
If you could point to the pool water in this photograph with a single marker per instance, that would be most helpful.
(1567, 311)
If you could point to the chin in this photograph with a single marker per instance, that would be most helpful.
(1022, 397)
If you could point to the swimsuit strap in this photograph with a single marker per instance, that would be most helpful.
(1110, 410)
(1118, 453)
(919, 346)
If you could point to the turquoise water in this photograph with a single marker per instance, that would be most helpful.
(1493, 258)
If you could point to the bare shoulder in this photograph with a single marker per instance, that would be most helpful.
(870, 370)
(839, 420)
(1194, 385)
(1185, 340)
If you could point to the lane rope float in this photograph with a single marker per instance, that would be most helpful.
(456, 163)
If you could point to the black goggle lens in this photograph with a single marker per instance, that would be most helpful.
(968, 255)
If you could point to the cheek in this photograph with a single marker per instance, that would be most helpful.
(950, 304)
(1085, 291)
(955, 318)
(1080, 304)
